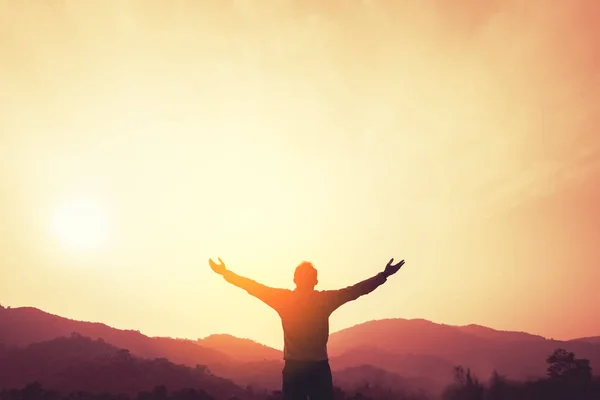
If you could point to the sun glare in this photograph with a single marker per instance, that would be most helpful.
(81, 225)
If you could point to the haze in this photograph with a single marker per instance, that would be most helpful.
(463, 139)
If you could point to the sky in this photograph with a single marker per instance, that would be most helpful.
(138, 139)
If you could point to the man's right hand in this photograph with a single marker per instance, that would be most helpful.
(218, 268)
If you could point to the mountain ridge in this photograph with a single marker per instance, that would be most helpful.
(416, 349)
(469, 328)
(79, 363)
(26, 325)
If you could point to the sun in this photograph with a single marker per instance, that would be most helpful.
(82, 225)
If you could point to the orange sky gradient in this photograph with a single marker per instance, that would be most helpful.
(463, 139)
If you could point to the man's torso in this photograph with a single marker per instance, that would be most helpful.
(305, 322)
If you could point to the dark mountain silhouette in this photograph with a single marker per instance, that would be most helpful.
(437, 371)
(78, 363)
(516, 355)
(591, 339)
(416, 371)
(492, 334)
(257, 374)
(245, 350)
(27, 325)
(356, 379)
(401, 336)
(413, 349)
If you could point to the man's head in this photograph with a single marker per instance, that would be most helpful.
(305, 276)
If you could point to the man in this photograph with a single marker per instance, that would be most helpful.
(304, 314)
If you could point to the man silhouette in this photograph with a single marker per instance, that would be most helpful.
(304, 314)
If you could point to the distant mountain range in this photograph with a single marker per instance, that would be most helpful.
(433, 347)
(240, 349)
(78, 363)
(590, 339)
(26, 325)
(399, 353)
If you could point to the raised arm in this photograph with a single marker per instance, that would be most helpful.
(268, 295)
(342, 296)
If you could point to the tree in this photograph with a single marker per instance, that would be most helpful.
(32, 391)
(498, 387)
(202, 369)
(466, 386)
(159, 392)
(123, 355)
(564, 366)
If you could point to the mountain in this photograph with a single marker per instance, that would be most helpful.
(244, 350)
(78, 363)
(415, 350)
(492, 334)
(242, 360)
(410, 366)
(255, 365)
(363, 377)
(26, 325)
(401, 336)
(514, 354)
(590, 339)
(257, 374)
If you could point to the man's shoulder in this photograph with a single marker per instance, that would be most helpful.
(282, 292)
(326, 293)
(312, 293)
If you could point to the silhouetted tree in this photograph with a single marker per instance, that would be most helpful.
(564, 366)
(123, 355)
(33, 391)
(202, 369)
(498, 387)
(466, 386)
(159, 393)
(275, 395)
(191, 394)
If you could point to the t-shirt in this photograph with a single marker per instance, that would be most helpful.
(305, 313)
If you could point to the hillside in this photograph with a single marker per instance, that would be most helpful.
(591, 339)
(244, 350)
(515, 354)
(416, 350)
(410, 366)
(492, 334)
(26, 325)
(79, 363)
(361, 378)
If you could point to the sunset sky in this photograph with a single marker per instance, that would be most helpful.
(140, 138)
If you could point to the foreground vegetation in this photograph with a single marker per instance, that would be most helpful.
(569, 378)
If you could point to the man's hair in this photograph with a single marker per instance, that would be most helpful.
(305, 272)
